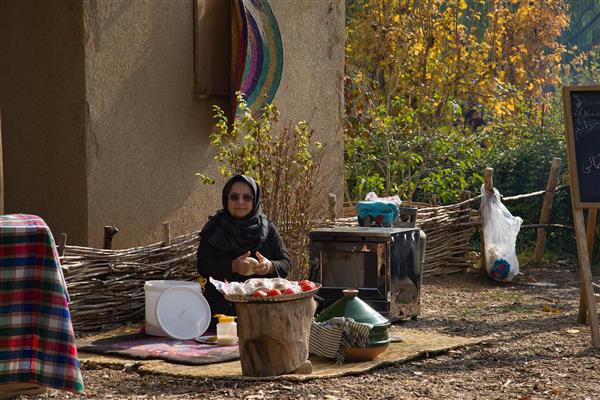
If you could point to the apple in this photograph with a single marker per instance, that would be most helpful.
(308, 286)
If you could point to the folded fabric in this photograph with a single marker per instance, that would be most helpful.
(37, 343)
(331, 337)
(142, 346)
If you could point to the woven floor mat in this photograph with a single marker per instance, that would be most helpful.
(414, 344)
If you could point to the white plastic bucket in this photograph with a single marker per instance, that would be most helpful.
(153, 291)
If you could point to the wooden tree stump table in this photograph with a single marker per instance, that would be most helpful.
(274, 336)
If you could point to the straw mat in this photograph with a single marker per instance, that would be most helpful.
(415, 344)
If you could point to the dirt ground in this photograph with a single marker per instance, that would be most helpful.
(538, 351)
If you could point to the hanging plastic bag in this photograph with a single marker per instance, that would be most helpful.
(372, 196)
(500, 230)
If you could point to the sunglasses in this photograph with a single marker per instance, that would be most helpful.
(246, 197)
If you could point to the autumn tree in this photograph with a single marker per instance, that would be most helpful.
(432, 83)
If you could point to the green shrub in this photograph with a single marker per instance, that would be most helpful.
(286, 166)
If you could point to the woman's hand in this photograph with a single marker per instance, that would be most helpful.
(239, 265)
(264, 267)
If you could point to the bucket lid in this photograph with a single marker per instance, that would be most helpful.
(183, 312)
(164, 284)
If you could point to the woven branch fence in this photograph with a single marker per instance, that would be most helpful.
(449, 231)
(107, 286)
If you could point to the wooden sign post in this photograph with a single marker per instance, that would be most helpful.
(582, 122)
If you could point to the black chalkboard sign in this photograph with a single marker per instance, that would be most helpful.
(582, 120)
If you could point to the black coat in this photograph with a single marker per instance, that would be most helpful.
(216, 263)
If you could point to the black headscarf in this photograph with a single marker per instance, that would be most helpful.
(229, 234)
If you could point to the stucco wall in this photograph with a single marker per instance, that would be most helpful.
(311, 86)
(146, 133)
(42, 104)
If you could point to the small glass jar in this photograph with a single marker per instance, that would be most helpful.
(226, 330)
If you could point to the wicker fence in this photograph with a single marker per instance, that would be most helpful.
(449, 231)
(107, 286)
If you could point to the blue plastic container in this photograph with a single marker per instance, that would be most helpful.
(380, 213)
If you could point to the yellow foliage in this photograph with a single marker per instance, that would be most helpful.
(436, 52)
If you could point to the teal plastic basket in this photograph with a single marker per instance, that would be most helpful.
(376, 212)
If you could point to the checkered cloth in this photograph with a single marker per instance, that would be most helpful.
(331, 337)
(37, 344)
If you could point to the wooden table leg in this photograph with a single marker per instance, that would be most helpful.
(586, 274)
(590, 232)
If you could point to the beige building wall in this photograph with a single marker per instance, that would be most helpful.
(311, 86)
(42, 102)
(147, 135)
(101, 126)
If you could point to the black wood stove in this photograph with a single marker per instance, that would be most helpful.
(384, 264)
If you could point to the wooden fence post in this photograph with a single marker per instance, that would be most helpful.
(466, 208)
(109, 232)
(62, 243)
(464, 196)
(332, 200)
(488, 179)
(434, 203)
(166, 234)
(488, 184)
(60, 248)
(546, 208)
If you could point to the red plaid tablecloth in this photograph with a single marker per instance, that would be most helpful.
(37, 344)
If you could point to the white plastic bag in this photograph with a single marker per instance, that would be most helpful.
(500, 230)
(372, 196)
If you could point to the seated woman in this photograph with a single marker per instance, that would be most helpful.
(237, 232)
